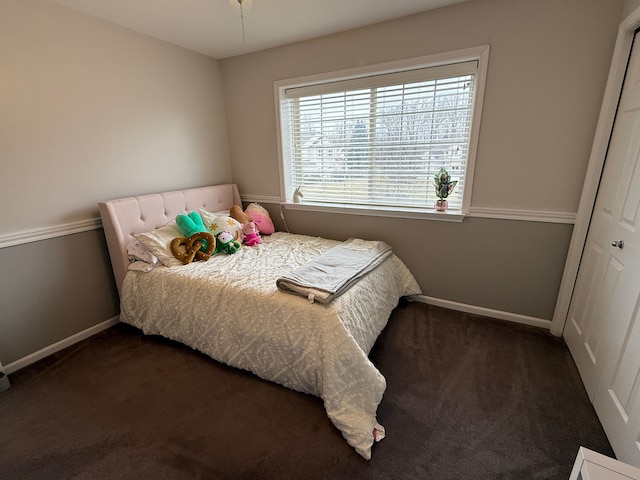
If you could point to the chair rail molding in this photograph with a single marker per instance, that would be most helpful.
(28, 236)
(501, 213)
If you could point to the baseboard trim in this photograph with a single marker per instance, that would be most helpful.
(438, 302)
(56, 347)
(487, 312)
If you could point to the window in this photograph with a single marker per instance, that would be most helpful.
(376, 138)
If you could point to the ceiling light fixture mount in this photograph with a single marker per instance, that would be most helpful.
(242, 9)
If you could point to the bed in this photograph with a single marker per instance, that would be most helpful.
(231, 309)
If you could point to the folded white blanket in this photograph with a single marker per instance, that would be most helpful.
(335, 271)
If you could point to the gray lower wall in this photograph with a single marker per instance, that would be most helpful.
(62, 286)
(505, 265)
(53, 289)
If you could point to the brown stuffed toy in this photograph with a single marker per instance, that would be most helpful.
(236, 213)
(188, 249)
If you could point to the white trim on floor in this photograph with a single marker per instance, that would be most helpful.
(461, 307)
(56, 347)
(486, 312)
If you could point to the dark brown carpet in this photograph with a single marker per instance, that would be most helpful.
(467, 397)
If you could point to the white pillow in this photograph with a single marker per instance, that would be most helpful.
(217, 223)
(158, 242)
(140, 257)
(137, 251)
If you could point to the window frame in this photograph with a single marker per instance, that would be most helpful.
(479, 54)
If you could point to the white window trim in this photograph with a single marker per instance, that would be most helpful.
(479, 54)
(366, 210)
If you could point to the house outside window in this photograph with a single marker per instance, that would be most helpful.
(374, 139)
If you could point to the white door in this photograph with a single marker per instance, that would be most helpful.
(602, 330)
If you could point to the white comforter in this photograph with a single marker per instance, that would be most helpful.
(230, 309)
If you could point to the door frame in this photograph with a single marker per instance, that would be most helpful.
(621, 52)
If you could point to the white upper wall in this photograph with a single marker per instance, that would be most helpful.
(548, 66)
(91, 111)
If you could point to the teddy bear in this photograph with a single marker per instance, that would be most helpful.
(251, 236)
(236, 213)
(225, 243)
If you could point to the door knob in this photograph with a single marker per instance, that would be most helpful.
(618, 243)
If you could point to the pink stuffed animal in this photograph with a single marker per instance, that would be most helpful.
(261, 217)
(251, 236)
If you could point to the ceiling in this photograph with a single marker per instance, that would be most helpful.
(214, 28)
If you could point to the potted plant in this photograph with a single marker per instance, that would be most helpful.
(444, 186)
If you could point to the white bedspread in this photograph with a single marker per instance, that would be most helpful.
(230, 309)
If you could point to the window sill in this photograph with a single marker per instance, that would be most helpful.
(447, 216)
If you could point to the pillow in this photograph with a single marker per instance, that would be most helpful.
(216, 223)
(261, 218)
(158, 242)
(137, 251)
(140, 257)
(223, 213)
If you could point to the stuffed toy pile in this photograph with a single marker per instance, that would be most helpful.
(255, 220)
(201, 242)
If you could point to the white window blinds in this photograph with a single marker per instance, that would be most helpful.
(379, 140)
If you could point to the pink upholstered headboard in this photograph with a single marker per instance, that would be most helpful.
(124, 217)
